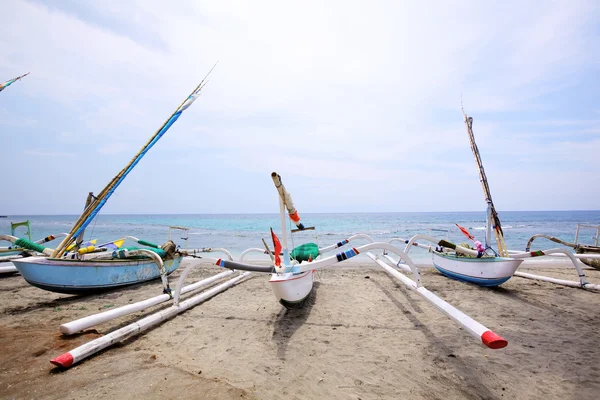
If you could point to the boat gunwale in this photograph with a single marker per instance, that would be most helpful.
(124, 261)
(475, 259)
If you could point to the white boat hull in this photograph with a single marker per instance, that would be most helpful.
(291, 289)
(485, 271)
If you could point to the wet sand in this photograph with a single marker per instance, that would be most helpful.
(361, 335)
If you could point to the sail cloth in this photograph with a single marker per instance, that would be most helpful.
(97, 203)
(11, 81)
(287, 200)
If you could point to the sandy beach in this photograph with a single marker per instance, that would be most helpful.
(361, 336)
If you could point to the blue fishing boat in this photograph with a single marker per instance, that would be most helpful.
(74, 268)
(88, 276)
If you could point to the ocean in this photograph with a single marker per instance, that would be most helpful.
(237, 232)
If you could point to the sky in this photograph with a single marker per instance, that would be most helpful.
(357, 105)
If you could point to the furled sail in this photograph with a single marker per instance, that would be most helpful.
(287, 200)
(98, 202)
(495, 220)
(11, 81)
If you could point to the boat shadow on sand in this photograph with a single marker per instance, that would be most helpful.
(289, 320)
(451, 359)
(42, 302)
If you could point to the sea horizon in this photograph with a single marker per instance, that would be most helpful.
(239, 231)
(308, 212)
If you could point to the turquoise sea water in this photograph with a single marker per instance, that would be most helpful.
(237, 232)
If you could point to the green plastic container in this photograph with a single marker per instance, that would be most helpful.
(305, 252)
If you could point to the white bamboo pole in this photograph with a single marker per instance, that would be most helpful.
(179, 288)
(563, 282)
(251, 250)
(50, 238)
(9, 238)
(488, 226)
(413, 244)
(479, 331)
(577, 256)
(286, 254)
(583, 283)
(76, 355)
(344, 242)
(207, 250)
(398, 264)
(7, 267)
(78, 325)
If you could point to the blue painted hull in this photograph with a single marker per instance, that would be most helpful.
(80, 277)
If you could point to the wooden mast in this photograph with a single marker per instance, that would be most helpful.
(495, 220)
(99, 201)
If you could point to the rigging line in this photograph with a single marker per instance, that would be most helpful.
(93, 227)
(291, 233)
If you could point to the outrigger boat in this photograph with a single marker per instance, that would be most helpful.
(290, 285)
(483, 265)
(487, 267)
(291, 280)
(589, 254)
(88, 271)
(16, 250)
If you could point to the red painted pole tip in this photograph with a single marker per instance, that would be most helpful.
(493, 341)
(65, 360)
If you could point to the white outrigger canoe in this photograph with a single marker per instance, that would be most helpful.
(485, 266)
(484, 271)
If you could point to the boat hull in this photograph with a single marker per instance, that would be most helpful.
(89, 276)
(292, 289)
(592, 262)
(485, 271)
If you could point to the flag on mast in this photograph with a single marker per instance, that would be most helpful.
(277, 250)
(465, 232)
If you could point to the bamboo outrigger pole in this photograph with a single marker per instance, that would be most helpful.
(96, 204)
(492, 214)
